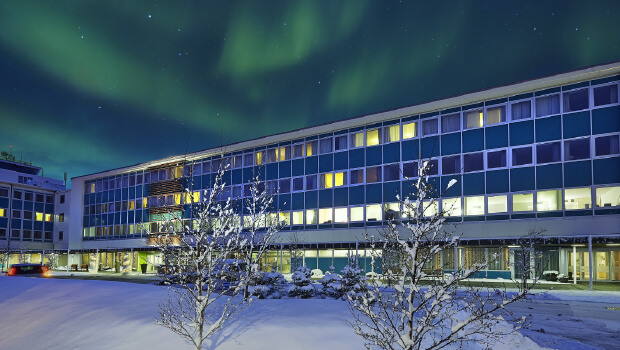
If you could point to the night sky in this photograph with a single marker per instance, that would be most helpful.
(87, 86)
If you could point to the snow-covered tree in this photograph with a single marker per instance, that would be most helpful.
(301, 283)
(353, 282)
(421, 311)
(331, 283)
(210, 259)
(268, 285)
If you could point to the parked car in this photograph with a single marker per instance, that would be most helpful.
(29, 270)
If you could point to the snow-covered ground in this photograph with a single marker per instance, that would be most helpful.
(80, 314)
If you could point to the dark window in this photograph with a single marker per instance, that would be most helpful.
(357, 176)
(340, 142)
(28, 196)
(521, 110)
(15, 234)
(605, 95)
(61, 235)
(4, 192)
(298, 151)
(576, 100)
(310, 182)
(410, 170)
(547, 105)
(373, 174)
(450, 123)
(38, 235)
(17, 214)
(473, 162)
(606, 145)
(27, 234)
(62, 196)
(522, 156)
(429, 127)
(2, 232)
(577, 149)
(17, 194)
(496, 159)
(139, 179)
(548, 153)
(298, 184)
(285, 186)
(48, 235)
(49, 199)
(27, 215)
(38, 198)
(451, 165)
(432, 167)
(391, 172)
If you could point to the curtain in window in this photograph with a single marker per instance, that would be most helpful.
(325, 146)
(495, 115)
(429, 127)
(357, 140)
(473, 119)
(392, 133)
(547, 105)
(450, 123)
(521, 110)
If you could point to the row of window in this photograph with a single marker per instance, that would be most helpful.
(30, 215)
(28, 196)
(29, 235)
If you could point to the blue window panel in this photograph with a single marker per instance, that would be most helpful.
(206, 179)
(391, 153)
(473, 140)
(549, 129)
(435, 191)
(27, 225)
(18, 205)
(248, 175)
(326, 163)
(130, 216)
(298, 167)
(284, 169)
(4, 202)
(473, 184)
(497, 181)
(132, 192)
(341, 160)
(451, 143)
(37, 207)
(125, 194)
(373, 193)
(4, 222)
(576, 124)
(117, 194)
(575, 86)
(227, 177)
(124, 217)
(284, 202)
(138, 216)
(430, 147)
(297, 201)
(110, 218)
(325, 198)
(411, 150)
(28, 205)
(549, 176)
(390, 191)
(341, 197)
(607, 170)
(356, 158)
(39, 225)
(605, 120)
(356, 195)
(373, 155)
(98, 197)
(311, 201)
(408, 189)
(522, 133)
(105, 195)
(497, 136)
(237, 177)
(312, 165)
(272, 171)
(522, 179)
(49, 208)
(578, 174)
(117, 218)
(187, 213)
(455, 190)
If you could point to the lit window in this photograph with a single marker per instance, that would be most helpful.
(547, 105)
(325, 216)
(496, 115)
(521, 110)
(392, 211)
(452, 206)
(391, 133)
(48, 217)
(38, 216)
(284, 218)
(429, 127)
(577, 198)
(311, 148)
(340, 179)
(549, 200)
(430, 208)
(577, 149)
(450, 123)
(357, 214)
(523, 202)
(340, 215)
(2, 212)
(326, 180)
(521, 156)
(177, 199)
(298, 217)
(474, 205)
(607, 145)
(284, 153)
(259, 157)
(548, 153)
(132, 205)
(311, 217)
(340, 143)
(576, 100)
(410, 130)
(608, 196)
(373, 212)
(605, 95)
(357, 139)
(357, 176)
(473, 162)
(237, 162)
(373, 137)
(473, 119)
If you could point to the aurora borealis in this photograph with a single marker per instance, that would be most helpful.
(87, 86)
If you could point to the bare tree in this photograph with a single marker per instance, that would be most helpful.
(423, 309)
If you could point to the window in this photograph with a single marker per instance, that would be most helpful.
(340, 215)
(452, 206)
(607, 145)
(2, 232)
(311, 217)
(547, 105)
(326, 180)
(340, 143)
(496, 115)
(298, 184)
(410, 170)
(496, 159)
(577, 198)
(432, 167)
(357, 176)
(237, 162)
(61, 217)
(391, 133)
(391, 211)
(430, 208)
(28, 196)
(298, 151)
(311, 148)
(549, 200)
(248, 160)
(325, 146)
(16, 214)
(284, 153)
(450, 123)
(259, 157)
(2, 212)
(608, 196)
(357, 214)
(451, 165)
(340, 179)
(310, 182)
(521, 110)
(271, 155)
(521, 156)
(410, 130)
(576, 100)
(429, 127)
(577, 149)
(4, 192)
(473, 162)
(18, 195)
(373, 174)
(374, 212)
(373, 137)
(27, 234)
(474, 205)
(284, 186)
(61, 235)
(472, 119)
(38, 216)
(325, 216)
(391, 172)
(605, 95)
(523, 202)
(548, 153)
(357, 139)
(297, 217)
(15, 234)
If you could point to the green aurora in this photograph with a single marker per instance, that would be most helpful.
(87, 86)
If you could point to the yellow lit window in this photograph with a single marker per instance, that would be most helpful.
(144, 203)
(605, 196)
(38, 216)
(372, 137)
(357, 140)
(340, 215)
(281, 154)
(523, 202)
(549, 200)
(473, 119)
(259, 158)
(311, 217)
(474, 205)
(497, 204)
(2, 212)
(357, 213)
(298, 217)
(452, 206)
(430, 208)
(178, 172)
(92, 188)
(284, 218)
(48, 217)
(577, 198)
(373, 212)
(340, 179)
(177, 198)
(410, 130)
(327, 180)
(325, 216)
(132, 205)
(311, 148)
(392, 133)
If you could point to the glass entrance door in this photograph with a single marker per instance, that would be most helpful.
(602, 265)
